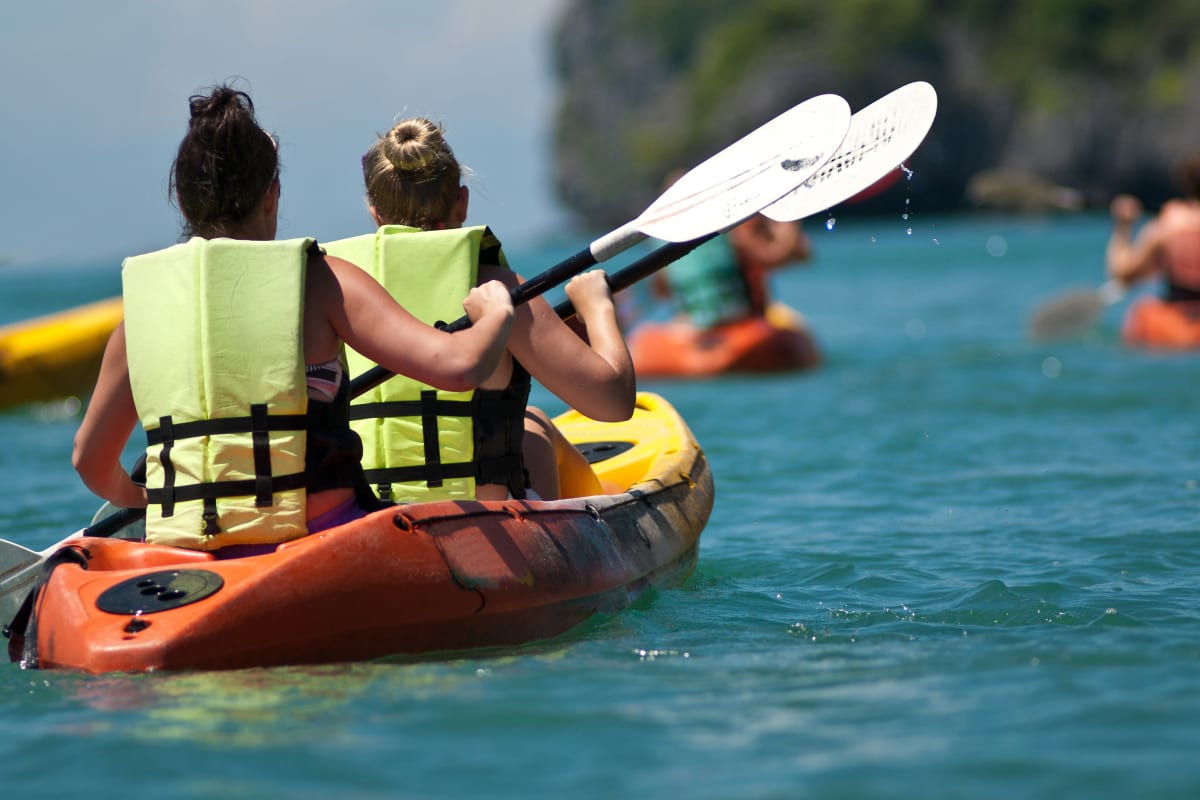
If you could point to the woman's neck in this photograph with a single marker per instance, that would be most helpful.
(244, 232)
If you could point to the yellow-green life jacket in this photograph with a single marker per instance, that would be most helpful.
(214, 341)
(419, 443)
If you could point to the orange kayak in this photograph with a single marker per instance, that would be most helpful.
(779, 342)
(57, 355)
(411, 579)
(1155, 323)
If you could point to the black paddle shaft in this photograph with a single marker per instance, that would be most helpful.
(645, 266)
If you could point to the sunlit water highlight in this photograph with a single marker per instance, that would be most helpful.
(950, 563)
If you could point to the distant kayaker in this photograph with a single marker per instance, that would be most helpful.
(492, 445)
(1168, 246)
(231, 357)
(727, 279)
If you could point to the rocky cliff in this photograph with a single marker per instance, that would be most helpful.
(1071, 99)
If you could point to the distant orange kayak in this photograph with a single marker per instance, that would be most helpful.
(1155, 323)
(780, 342)
(57, 355)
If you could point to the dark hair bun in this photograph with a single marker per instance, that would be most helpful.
(225, 163)
(222, 100)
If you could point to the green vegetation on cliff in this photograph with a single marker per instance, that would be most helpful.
(1098, 95)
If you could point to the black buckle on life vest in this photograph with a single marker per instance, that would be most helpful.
(212, 524)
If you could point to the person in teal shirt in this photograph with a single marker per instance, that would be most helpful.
(726, 278)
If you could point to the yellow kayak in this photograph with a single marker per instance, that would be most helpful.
(57, 355)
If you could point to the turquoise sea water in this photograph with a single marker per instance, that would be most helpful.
(950, 563)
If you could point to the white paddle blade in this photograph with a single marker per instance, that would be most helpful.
(754, 171)
(19, 570)
(881, 136)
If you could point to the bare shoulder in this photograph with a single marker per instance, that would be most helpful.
(1181, 213)
(328, 266)
(327, 273)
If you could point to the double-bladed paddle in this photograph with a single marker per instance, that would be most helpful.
(881, 136)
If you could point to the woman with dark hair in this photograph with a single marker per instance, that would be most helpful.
(231, 357)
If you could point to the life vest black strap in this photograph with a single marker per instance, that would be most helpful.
(498, 416)
(248, 487)
(433, 473)
(413, 408)
(260, 438)
(212, 427)
(418, 472)
(260, 424)
(434, 476)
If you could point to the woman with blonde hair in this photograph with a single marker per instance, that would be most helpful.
(489, 444)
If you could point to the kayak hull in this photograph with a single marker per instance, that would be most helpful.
(57, 355)
(413, 579)
(779, 342)
(1154, 323)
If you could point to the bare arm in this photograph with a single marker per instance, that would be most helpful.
(361, 313)
(596, 376)
(1129, 260)
(105, 430)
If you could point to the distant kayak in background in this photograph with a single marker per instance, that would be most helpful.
(778, 342)
(56, 355)
(1155, 323)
